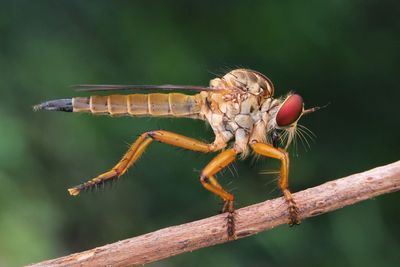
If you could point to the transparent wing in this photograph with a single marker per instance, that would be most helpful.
(164, 87)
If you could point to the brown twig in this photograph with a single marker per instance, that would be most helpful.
(250, 220)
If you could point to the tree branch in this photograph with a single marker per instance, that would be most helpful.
(250, 220)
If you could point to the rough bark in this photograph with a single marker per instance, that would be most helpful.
(250, 220)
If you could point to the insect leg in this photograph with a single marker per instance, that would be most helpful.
(269, 151)
(209, 181)
(137, 149)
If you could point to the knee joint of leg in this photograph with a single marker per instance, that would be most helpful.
(204, 179)
(285, 154)
(150, 134)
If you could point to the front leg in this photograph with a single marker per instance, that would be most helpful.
(269, 151)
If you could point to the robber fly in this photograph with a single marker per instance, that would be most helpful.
(239, 107)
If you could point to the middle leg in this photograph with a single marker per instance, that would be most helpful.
(208, 180)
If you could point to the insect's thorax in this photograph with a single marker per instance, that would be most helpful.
(245, 112)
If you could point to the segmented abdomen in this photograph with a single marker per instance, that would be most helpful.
(173, 104)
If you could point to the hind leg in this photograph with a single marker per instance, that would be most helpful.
(137, 149)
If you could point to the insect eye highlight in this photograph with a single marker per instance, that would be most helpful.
(290, 110)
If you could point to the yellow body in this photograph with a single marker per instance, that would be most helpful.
(172, 104)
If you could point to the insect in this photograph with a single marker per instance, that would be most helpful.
(240, 109)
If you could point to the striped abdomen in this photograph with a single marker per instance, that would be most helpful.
(173, 104)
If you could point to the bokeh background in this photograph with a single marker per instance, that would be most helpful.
(342, 52)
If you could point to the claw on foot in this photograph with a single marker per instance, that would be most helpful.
(292, 208)
(229, 208)
(293, 214)
(231, 226)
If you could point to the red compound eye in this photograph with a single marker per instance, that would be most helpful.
(290, 111)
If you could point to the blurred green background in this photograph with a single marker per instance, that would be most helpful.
(343, 52)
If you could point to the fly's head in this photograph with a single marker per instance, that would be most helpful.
(288, 114)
